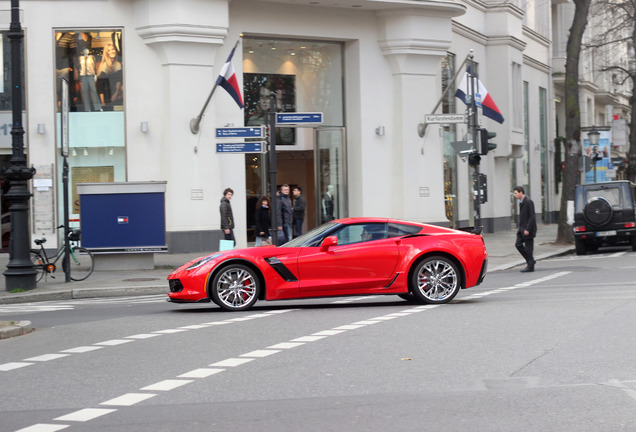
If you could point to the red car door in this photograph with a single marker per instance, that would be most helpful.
(347, 269)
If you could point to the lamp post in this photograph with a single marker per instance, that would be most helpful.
(20, 273)
(594, 136)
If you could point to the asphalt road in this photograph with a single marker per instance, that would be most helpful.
(549, 350)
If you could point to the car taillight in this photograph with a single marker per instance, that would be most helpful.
(579, 229)
(630, 224)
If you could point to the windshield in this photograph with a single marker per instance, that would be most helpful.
(310, 238)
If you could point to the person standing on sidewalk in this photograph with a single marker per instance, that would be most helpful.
(227, 218)
(299, 209)
(527, 229)
(284, 214)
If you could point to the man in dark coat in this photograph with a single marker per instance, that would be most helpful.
(527, 229)
(285, 214)
(227, 218)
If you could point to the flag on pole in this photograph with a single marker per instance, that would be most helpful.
(488, 106)
(227, 80)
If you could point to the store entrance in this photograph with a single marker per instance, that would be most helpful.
(321, 174)
(295, 168)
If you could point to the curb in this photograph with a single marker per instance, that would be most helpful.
(16, 328)
(537, 258)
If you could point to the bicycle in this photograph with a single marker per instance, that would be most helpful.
(81, 260)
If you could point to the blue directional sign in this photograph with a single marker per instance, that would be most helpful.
(298, 119)
(240, 132)
(244, 147)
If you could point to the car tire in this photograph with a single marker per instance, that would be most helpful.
(235, 288)
(580, 247)
(633, 243)
(598, 211)
(435, 280)
(407, 297)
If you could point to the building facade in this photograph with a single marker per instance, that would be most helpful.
(138, 72)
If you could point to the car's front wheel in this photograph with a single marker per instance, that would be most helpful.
(235, 288)
(435, 280)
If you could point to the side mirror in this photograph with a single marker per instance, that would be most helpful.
(328, 242)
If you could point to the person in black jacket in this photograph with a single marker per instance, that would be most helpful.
(227, 218)
(527, 229)
(298, 210)
(284, 215)
(262, 222)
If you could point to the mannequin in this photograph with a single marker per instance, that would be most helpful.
(88, 77)
(327, 204)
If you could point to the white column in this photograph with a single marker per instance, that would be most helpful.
(414, 40)
(189, 36)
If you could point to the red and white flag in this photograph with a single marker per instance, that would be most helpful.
(488, 106)
(227, 80)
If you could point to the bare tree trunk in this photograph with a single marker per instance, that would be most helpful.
(572, 117)
(631, 154)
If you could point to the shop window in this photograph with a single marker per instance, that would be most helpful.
(91, 62)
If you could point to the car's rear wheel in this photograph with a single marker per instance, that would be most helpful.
(598, 211)
(633, 242)
(580, 247)
(235, 288)
(407, 297)
(435, 280)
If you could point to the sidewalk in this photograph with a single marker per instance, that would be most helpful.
(502, 255)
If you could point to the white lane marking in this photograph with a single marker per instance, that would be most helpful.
(349, 327)
(169, 331)
(366, 322)
(200, 373)
(281, 311)
(143, 336)
(166, 385)
(517, 286)
(113, 342)
(260, 353)
(353, 299)
(383, 318)
(62, 305)
(129, 399)
(43, 427)
(46, 357)
(231, 362)
(240, 319)
(85, 414)
(328, 332)
(194, 326)
(308, 339)
(286, 345)
(11, 366)
(82, 349)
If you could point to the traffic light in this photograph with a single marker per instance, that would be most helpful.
(485, 145)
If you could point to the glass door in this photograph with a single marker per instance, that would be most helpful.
(330, 169)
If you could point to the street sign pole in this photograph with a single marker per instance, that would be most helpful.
(473, 127)
(271, 116)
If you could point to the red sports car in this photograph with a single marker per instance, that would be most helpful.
(354, 256)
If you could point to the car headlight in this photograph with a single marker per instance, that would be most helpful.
(202, 261)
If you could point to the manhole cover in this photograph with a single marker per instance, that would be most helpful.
(140, 280)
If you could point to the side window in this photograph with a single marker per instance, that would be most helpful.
(399, 230)
(361, 233)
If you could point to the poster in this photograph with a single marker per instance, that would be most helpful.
(599, 170)
(258, 89)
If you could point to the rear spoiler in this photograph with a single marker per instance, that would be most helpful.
(472, 230)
